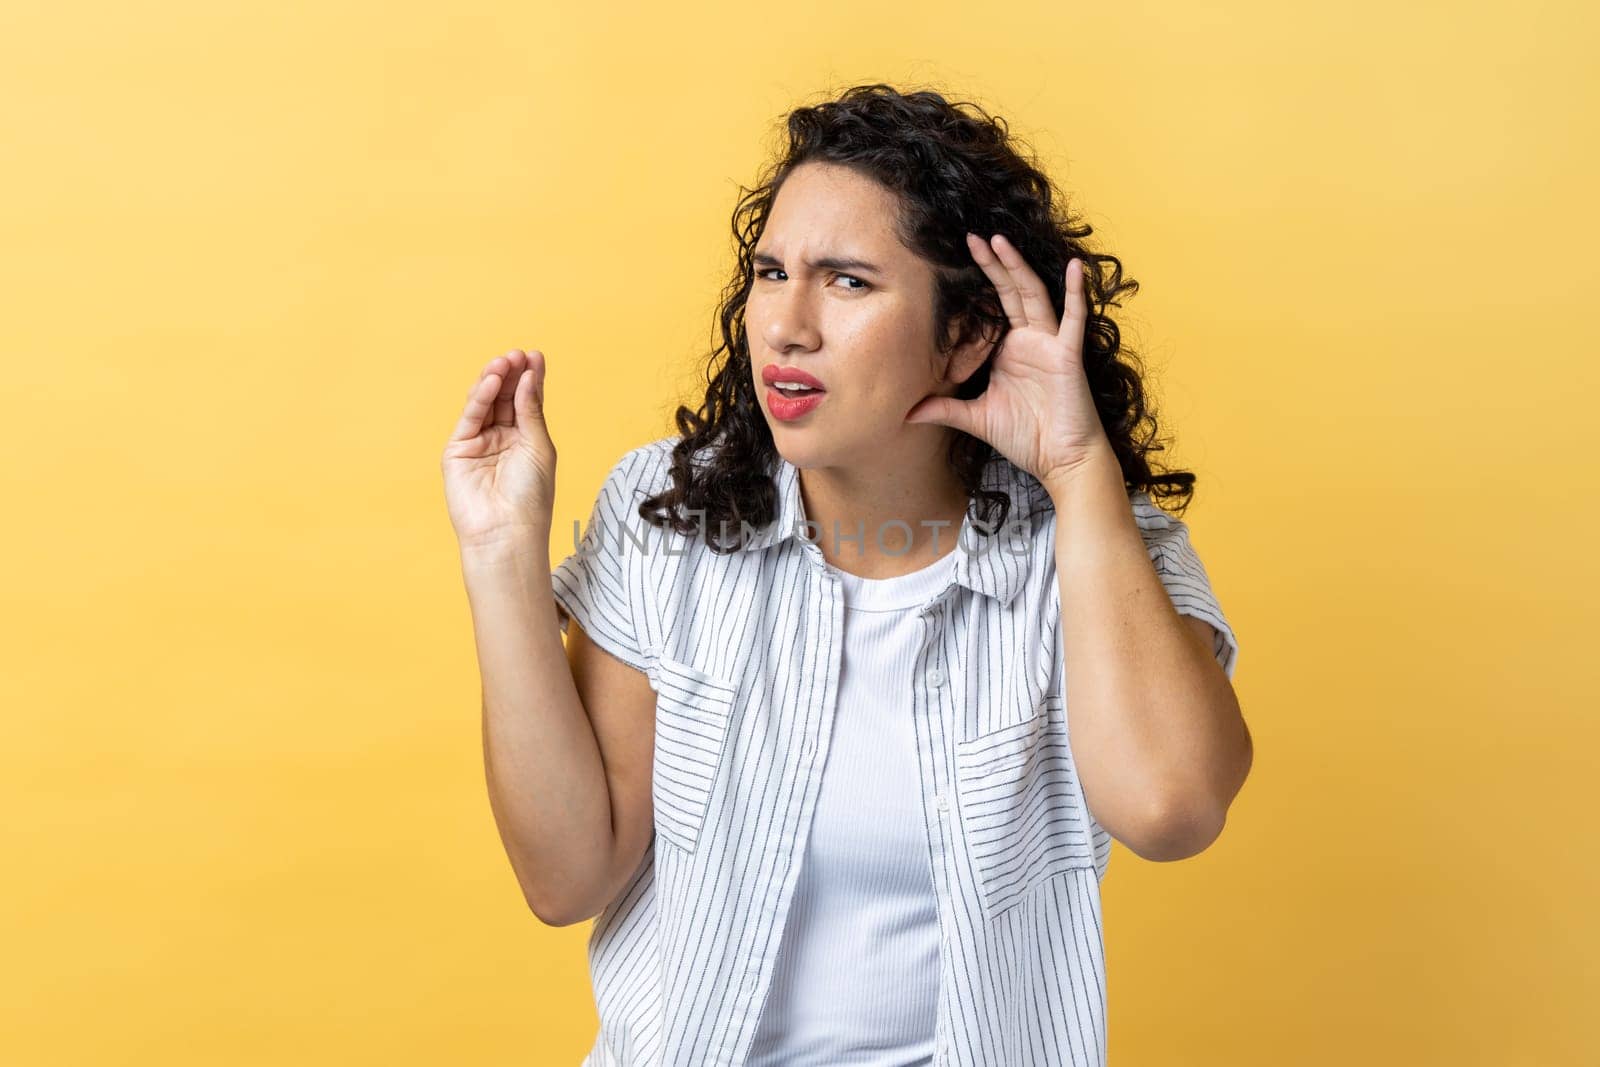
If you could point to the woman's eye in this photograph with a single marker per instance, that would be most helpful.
(863, 286)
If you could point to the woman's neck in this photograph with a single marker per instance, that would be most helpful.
(883, 525)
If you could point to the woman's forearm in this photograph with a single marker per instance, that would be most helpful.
(546, 778)
(1156, 731)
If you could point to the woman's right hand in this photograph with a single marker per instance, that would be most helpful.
(500, 464)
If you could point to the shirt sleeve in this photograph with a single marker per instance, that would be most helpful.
(594, 584)
(1180, 569)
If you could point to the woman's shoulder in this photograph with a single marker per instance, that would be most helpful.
(641, 471)
(1151, 516)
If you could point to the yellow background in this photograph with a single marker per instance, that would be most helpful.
(254, 255)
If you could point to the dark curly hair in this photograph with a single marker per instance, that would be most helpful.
(954, 172)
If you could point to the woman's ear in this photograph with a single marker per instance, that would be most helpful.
(964, 361)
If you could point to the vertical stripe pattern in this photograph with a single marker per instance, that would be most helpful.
(743, 651)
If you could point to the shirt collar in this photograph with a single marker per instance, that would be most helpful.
(994, 564)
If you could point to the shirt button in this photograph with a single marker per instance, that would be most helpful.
(807, 747)
(941, 802)
(936, 677)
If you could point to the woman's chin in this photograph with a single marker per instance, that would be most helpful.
(801, 449)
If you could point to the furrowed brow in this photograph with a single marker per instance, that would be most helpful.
(765, 260)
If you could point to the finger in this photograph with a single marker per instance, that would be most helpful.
(530, 394)
(1075, 307)
(504, 405)
(1000, 278)
(497, 364)
(1036, 304)
(479, 403)
(945, 411)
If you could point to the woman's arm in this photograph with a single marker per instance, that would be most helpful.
(547, 782)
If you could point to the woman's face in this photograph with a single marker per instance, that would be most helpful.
(836, 295)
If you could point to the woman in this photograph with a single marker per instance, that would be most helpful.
(805, 752)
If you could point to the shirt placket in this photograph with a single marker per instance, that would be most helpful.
(823, 589)
(932, 683)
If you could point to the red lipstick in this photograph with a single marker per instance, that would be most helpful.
(790, 403)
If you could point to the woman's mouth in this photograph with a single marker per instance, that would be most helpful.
(792, 391)
(788, 404)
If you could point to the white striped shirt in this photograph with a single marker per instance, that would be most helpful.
(744, 652)
(856, 979)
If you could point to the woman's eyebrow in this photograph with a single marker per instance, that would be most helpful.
(767, 260)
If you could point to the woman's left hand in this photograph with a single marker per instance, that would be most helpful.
(1037, 410)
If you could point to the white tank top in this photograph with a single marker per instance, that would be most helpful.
(857, 973)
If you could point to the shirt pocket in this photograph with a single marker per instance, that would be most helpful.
(1022, 807)
(693, 710)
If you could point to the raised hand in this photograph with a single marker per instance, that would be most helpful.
(500, 464)
(1037, 410)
